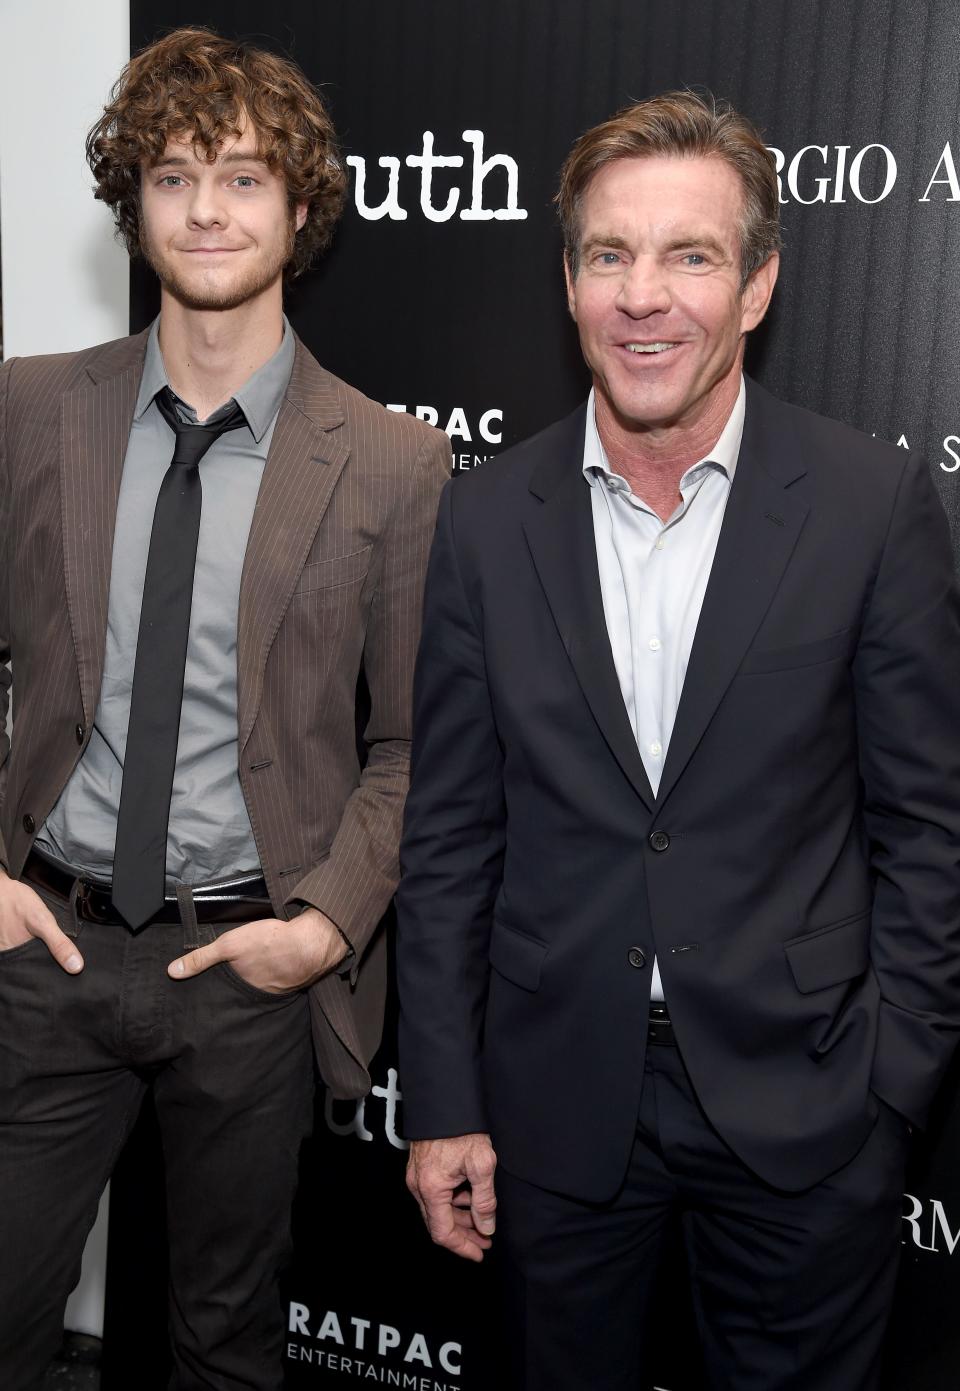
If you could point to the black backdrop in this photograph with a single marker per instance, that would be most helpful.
(443, 294)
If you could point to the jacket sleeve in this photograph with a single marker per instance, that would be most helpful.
(356, 882)
(907, 690)
(452, 857)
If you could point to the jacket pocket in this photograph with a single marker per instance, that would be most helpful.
(339, 569)
(516, 956)
(831, 954)
(801, 654)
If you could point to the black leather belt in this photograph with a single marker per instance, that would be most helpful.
(659, 1028)
(239, 900)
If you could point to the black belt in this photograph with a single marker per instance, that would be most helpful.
(239, 900)
(659, 1028)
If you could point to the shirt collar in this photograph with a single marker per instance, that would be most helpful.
(260, 396)
(723, 455)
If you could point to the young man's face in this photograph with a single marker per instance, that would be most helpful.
(218, 235)
(657, 297)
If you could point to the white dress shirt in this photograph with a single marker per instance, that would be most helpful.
(653, 576)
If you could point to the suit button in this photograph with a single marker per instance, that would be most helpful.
(29, 825)
(636, 957)
(659, 840)
(79, 732)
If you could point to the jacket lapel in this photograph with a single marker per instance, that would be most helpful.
(561, 540)
(95, 421)
(760, 529)
(307, 455)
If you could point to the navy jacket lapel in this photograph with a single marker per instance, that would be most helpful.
(760, 529)
(561, 540)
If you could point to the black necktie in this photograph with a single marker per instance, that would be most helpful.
(139, 864)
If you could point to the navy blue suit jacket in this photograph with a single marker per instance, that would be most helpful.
(797, 874)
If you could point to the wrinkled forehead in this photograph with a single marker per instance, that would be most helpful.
(662, 182)
(662, 198)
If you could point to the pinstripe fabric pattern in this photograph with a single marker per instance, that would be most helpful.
(332, 584)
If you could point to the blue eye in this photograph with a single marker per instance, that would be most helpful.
(608, 258)
(694, 258)
(245, 181)
(171, 181)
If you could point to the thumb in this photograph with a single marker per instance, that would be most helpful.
(196, 961)
(62, 948)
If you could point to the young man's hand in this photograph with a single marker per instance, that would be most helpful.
(270, 954)
(23, 914)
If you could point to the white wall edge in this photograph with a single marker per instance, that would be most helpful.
(65, 279)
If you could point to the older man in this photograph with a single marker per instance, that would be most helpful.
(680, 921)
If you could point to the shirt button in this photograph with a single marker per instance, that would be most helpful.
(79, 732)
(660, 543)
(636, 958)
(656, 748)
(654, 644)
(29, 825)
(660, 841)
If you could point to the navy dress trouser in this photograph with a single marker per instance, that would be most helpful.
(791, 1291)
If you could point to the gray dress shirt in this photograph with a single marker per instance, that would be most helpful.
(209, 833)
(653, 576)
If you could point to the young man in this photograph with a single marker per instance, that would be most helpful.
(684, 748)
(208, 541)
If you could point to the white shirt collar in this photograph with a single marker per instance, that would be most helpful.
(723, 455)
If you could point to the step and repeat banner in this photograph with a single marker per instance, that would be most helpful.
(443, 296)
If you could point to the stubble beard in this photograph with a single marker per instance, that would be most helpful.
(257, 278)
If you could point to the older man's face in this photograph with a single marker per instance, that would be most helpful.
(657, 297)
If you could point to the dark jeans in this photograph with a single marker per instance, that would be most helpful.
(231, 1072)
(792, 1290)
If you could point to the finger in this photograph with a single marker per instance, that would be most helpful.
(415, 1192)
(196, 961)
(483, 1199)
(62, 948)
(484, 1213)
(468, 1244)
(464, 1221)
(440, 1222)
(462, 1241)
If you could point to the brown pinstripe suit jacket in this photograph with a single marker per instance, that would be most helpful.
(332, 584)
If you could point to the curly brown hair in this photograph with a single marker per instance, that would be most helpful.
(195, 84)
